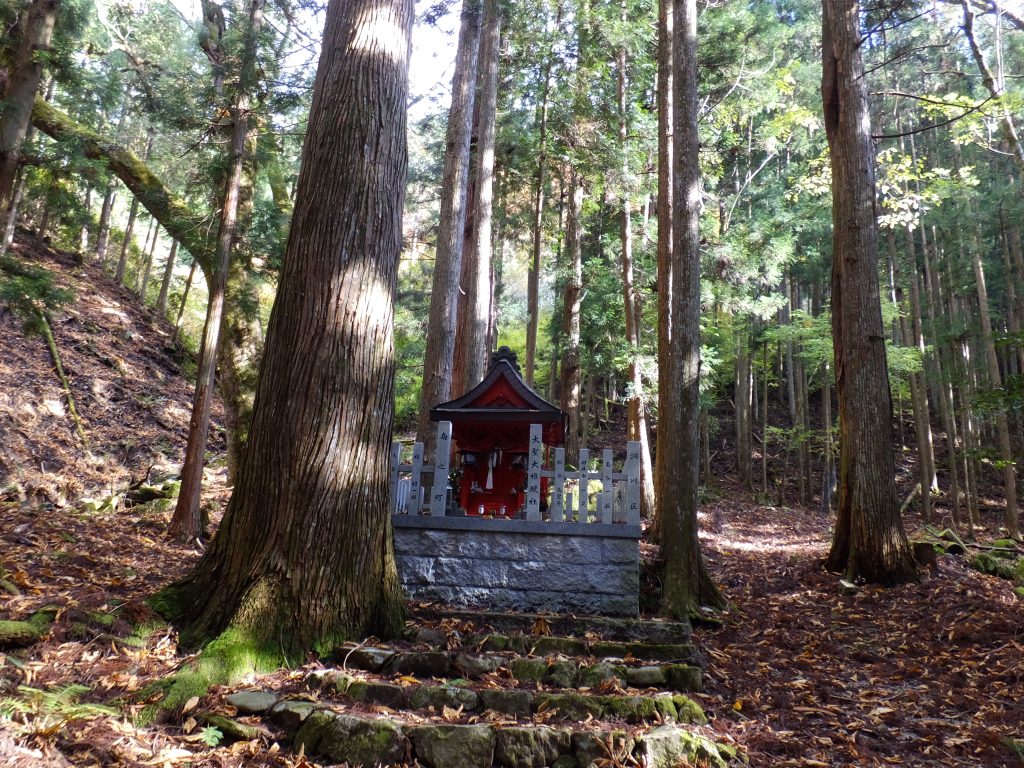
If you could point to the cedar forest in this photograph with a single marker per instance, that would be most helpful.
(777, 243)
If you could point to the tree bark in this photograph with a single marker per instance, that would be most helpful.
(165, 285)
(304, 557)
(438, 358)
(687, 583)
(185, 524)
(103, 230)
(122, 260)
(477, 300)
(16, 100)
(869, 541)
(744, 391)
(572, 299)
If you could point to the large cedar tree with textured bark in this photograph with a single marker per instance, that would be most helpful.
(304, 556)
(869, 541)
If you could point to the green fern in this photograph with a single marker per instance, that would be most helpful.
(33, 710)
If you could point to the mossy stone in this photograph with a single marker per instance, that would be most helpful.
(688, 710)
(529, 670)
(564, 674)
(492, 643)
(994, 566)
(566, 761)
(440, 696)
(1018, 573)
(425, 664)
(291, 714)
(669, 746)
(611, 747)
(369, 659)
(386, 694)
(251, 702)
(532, 747)
(632, 709)
(472, 665)
(353, 740)
(565, 646)
(684, 677)
(593, 676)
(454, 746)
(518, 703)
(1019, 592)
(645, 677)
(569, 706)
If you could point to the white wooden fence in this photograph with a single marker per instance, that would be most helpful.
(618, 501)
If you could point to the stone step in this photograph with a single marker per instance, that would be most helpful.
(546, 645)
(564, 674)
(606, 628)
(555, 705)
(323, 731)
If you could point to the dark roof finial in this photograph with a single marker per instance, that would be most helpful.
(506, 354)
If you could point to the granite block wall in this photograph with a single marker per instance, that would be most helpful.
(520, 565)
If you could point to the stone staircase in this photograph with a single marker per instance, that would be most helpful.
(464, 689)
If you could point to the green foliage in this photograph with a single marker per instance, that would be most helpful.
(38, 711)
(211, 736)
(29, 292)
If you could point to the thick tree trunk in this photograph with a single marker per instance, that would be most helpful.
(869, 542)
(11, 220)
(571, 378)
(439, 356)
(185, 523)
(16, 100)
(687, 583)
(304, 557)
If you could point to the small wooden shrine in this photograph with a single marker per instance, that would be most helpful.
(491, 430)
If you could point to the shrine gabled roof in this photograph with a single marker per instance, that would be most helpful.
(501, 396)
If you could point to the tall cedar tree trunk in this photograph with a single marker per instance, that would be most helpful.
(869, 541)
(744, 390)
(439, 356)
(304, 557)
(24, 76)
(664, 278)
(637, 416)
(185, 523)
(533, 273)
(573, 297)
(475, 306)
(687, 583)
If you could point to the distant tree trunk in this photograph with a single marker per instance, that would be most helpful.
(304, 558)
(995, 380)
(571, 378)
(184, 300)
(122, 261)
(165, 285)
(148, 266)
(83, 239)
(665, 185)
(533, 274)
(17, 98)
(637, 416)
(438, 358)
(764, 420)
(103, 229)
(743, 397)
(185, 523)
(477, 300)
(687, 583)
(11, 220)
(869, 540)
(828, 472)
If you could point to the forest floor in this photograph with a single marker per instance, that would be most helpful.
(799, 673)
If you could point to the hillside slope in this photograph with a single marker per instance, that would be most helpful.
(127, 380)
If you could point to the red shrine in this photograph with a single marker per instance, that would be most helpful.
(491, 427)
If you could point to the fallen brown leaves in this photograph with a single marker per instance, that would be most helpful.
(924, 674)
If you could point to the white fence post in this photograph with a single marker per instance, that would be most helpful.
(533, 476)
(414, 502)
(633, 482)
(442, 455)
(396, 457)
(582, 514)
(605, 510)
(558, 492)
